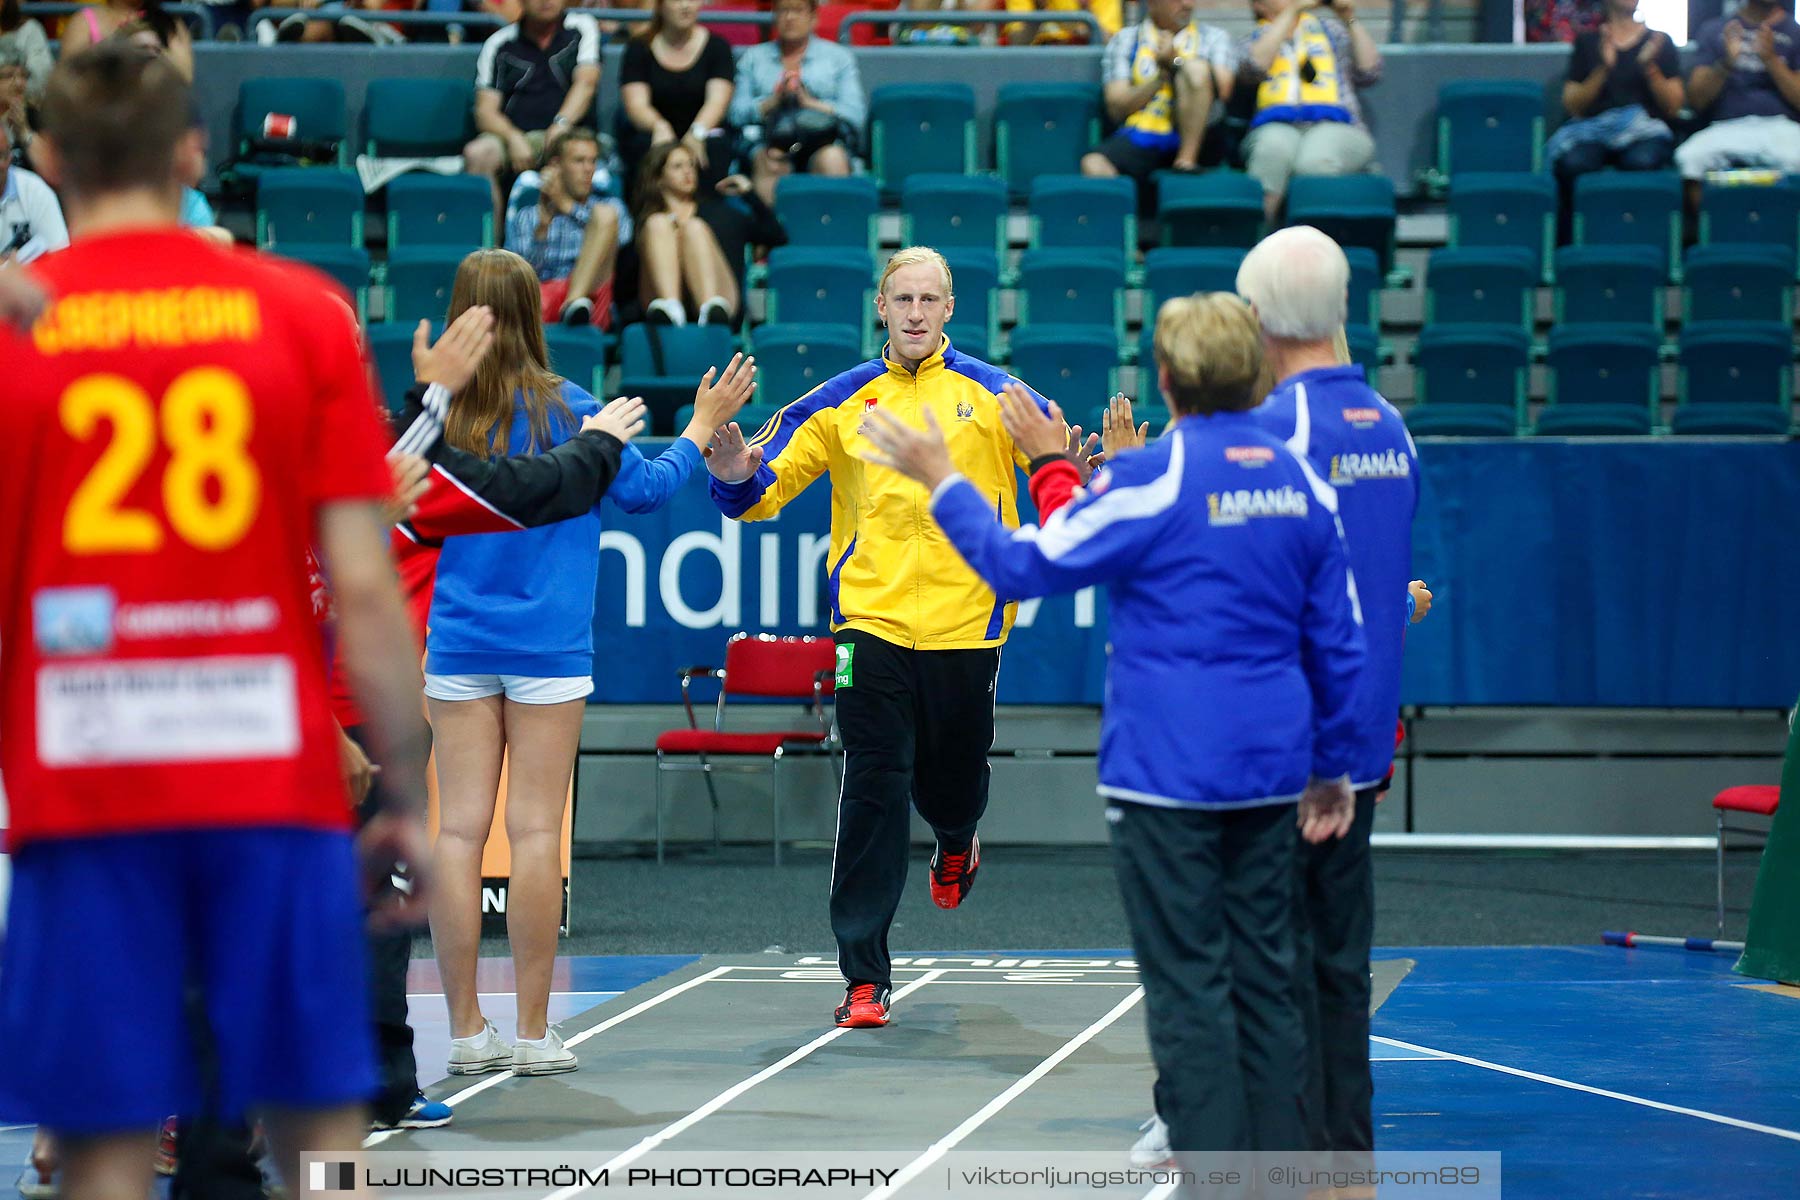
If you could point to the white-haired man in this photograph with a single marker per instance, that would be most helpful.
(1297, 281)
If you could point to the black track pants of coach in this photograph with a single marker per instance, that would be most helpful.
(1334, 923)
(1209, 898)
(917, 726)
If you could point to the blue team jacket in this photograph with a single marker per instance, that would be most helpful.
(522, 602)
(1357, 441)
(1236, 639)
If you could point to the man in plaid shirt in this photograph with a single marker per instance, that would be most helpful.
(571, 235)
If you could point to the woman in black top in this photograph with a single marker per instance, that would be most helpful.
(675, 84)
(1623, 86)
(690, 242)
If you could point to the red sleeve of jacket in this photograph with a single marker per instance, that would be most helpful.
(1053, 485)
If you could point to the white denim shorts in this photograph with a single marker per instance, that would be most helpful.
(520, 689)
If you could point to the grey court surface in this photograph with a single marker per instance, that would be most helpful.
(736, 1056)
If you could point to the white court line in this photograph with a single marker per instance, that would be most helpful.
(503, 995)
(646, 1145)
(1790, 1134)
(826, 971)
(475, 1089)
(948, 1142)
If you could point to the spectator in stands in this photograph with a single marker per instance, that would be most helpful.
(946, 34)
(31, 220)
(15, 110)
(675, 85)
(535, 77)
(94, 24)
(1110, 14)
(334, 21)
(1306, 64)
(691, 242)
(570, 236)
(1624, 85)
(799, 101)
(23, 37)
(1166, 81)
(1746, 82)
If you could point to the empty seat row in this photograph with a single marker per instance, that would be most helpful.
(1604, 380)
(1609, 285)
(1619, 208)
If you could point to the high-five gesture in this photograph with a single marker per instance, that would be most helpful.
(457, 355)
(1117, 434)
(717, 400)
(623, 418)
(1036, 433)
(728, 457)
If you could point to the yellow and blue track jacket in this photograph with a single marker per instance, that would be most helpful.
(892, 573)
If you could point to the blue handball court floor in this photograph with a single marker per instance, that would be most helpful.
(1595, 1072)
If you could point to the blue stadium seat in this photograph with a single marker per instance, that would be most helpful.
(1752, 213)
(1477, 375)
(418, 118)
(823, 210)
(316, 104)
(1631, 208)
(975, 329)
(579, 356)
(440, 210)
(916, 128)
(813, 286)
(1183, 270)
(1480, 287)
(419, 280)
(1490, 125)
(664, 364)
(1356, 210)
(1070, 364)
(390, 345)
(1212, 208)
(965, 211)
(1365, 351)
(1072, 287)
(792, 360)
(349, 265)
(1366, 280)
(1603, 380)
(1609, 285)
(1043, 129)
(1494, 210)
(1735, 377)
(1738, 282)
(309, 206)
(1071, 211)
(1149, 390)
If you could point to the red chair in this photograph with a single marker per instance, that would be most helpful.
(1760, 799)
(791, 668)
(734, 33)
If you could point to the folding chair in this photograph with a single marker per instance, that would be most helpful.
(792, 668)
(1760, 799)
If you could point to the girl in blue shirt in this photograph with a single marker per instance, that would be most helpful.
(509, 660)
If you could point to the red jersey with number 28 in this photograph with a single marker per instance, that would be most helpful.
(170, 428)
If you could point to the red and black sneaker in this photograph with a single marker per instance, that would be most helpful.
(865, 1006)
(952, 875)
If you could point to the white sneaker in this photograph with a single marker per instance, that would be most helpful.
(715, 311)
(481, 1053)
(33, 1186)
(545, 1056)
(1152, 1150)
(665, 312)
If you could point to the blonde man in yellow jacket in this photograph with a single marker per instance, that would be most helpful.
(918, 633)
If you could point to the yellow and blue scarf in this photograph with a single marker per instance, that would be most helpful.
(1154, 124)
(1303, 83)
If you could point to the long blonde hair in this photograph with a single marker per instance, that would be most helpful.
(480, 416)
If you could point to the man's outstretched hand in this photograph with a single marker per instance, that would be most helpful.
(728, 457)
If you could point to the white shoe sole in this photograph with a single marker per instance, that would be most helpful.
(555, 1066)
(481, 1066)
